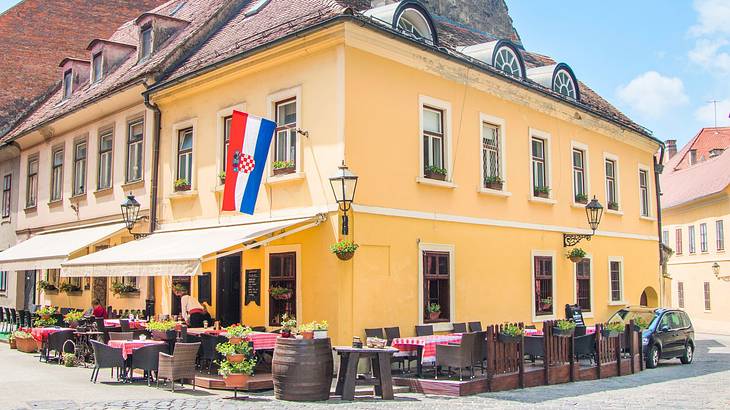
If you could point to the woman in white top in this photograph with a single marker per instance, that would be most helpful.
(192, 310)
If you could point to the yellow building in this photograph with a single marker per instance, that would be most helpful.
(474, 157)
(696, 210)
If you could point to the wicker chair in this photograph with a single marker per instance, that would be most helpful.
(102, 328)
(585, 347)
(57, 343)
(480, 351)
(121, 336)
(392, 333)
(534, 347)
(375, 332)
(208, 354)
(424, 330)
(124, 325)
(180, 365)
(475, 326)
(459, 328)
(147, 358)
(21, 319)
(453, 356)
(106, 357)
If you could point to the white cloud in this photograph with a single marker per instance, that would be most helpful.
(652, 94)
(706, 114)
(711, 34)
(713, 17)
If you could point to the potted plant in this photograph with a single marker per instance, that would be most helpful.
(640, 324)
(25, 342)
(434, 311)
(11, 341)
(612, 329)
(234, 352)
(46, 312)
(236, 333)
(280, 293)
(581, 198)
(236, 374)
(307, 331)
(542, 192)
(120, 289)
(344, 249)
(434, 172)
(564, 328)
(613, 205)
(546, 303)
(222, 177)
(47, 287)
(72, 318)
(69, 359)
(182, 184)
(320, 329)
(493, 182)
(69, 288)
(510, 333)
(282, 167)
(287, 324)
(162, 330)
(576, 255)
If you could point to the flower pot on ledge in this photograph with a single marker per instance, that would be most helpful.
(284, 171)
(434, 175)
(434, 315)
(581, 201)
(497, 186)
(182, 188)
(613, 206)
(542, 194)
(238, 380)
(283, 296)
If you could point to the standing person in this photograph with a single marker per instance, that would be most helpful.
(192, 310)
(97, 310)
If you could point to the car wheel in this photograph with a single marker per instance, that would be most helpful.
(688, 354)
(652, 359)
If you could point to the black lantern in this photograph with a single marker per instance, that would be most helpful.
(343, 185)
(130, 212)
(594, 212)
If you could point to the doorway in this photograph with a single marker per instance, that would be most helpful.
(228, 290)
(99, 290)
(29, 290)
(176, 304)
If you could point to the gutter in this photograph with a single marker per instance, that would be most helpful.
(442, 51)
(658, 169)
(157, 126)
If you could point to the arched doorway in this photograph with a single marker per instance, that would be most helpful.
(649, 298)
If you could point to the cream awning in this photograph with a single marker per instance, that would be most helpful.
(177, 253)
(50, 250)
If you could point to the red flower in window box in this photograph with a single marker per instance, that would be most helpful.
(280, 293)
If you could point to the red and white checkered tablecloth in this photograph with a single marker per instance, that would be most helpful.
(263, 340)
(128, 346)
(133, 324)
(41, 333)
(428, 342)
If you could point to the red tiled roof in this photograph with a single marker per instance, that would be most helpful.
(698, 181)
(705, 141)
(36, 34)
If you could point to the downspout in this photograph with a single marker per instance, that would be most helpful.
(157, 127)
(658, 169)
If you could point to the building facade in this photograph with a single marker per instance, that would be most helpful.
(696, 211)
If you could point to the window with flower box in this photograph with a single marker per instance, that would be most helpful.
(285, 137)
(544, 297)
(583, 284)
(579, 176)
(282, 275)
(436, 285)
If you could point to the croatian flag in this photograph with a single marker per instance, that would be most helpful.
(248, 148)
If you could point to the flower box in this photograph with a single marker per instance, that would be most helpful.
(613, 206)
(610, 333)
(497, 186)
(575, 259)
(284, 171)
(283, 296)
(581, 200)
(505, 338)
(320, 334)
(563, 332)
(542, 194)
(182, 188)
(26, 345)
(128, 295)
(434, 175)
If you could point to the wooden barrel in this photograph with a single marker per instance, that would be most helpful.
(302, 369)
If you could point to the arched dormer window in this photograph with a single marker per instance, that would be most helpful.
(413, 23)
(507, 61)
(564, 83)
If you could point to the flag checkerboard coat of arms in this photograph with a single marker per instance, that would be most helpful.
(248, 149)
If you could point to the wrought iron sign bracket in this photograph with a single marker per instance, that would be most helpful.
(572, 239)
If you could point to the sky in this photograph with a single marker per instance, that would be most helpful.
(658, 61)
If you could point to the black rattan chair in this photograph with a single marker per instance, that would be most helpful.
(375, 332)
(534, 347)
(461, 356)
(585, 347)
(147, 358)
(106, 357)
(121, 335)
(424, 330)
(102, 328)
(459, 328)
(480, 351)
(208, 354)
(56, 343)
(124, 325)
(475, 326)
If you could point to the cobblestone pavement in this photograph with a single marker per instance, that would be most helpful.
(27, 384)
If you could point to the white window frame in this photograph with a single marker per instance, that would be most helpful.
(620, 302)
(97, 76)
(176, 128)
(62, 149)
(31, 191)
(720, 235)
(704, 237)
(451, 250)
(81, 141)
(649, 215)
(617, 182)
(221, 134)
(425, 101)
(265, 280)
(551, 254)
(271, 100)
(588, 256)
(100, 133)
(545, 136)
(691, 240)
(576, 145)
(130, 122)
(501, 125)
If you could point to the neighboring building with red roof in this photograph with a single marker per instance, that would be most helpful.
(696, 214)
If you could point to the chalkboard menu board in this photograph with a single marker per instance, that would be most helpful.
(576, 313)
(204, 288)
(253, 286)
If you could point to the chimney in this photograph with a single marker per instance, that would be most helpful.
(671, 148)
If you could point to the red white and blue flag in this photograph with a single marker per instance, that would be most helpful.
(248, 148)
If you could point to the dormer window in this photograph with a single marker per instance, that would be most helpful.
(145, 42)
(67, 84)
(97, 68)
(407, 17)
(413, 23)
(506, 61)
(563, 84)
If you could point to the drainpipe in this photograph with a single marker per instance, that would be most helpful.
(658, 168)
(157, 127)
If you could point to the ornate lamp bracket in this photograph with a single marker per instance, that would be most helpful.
(572, 239)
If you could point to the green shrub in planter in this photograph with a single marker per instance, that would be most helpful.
(510, 333)
(564, 328)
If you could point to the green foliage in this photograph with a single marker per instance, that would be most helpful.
(222, 175)
(565, 325)
(238, 330)
(275, 291)
(511, 330)
(493, 179)
(245, 367)
(581, 198)
(73, 316)
(40, 322)
(181, 182)
(613, 205)
(162, 326)
(306, 327)
(282, 164)
(229, 349)
(436, 170)
(46, 285)
(576, 253)
(617, 327)
(433, 308)
(119, 288)
(288, 322)
(542, 190)
(640, 323)
(69, 359)
(21, 334)
(68, 287)
(46, 310)
(343, 246)
(323, 325)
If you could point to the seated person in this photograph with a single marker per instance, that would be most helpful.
(97, 310)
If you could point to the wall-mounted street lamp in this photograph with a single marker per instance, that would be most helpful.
(130, 214)
(716, 271)
(343, 185)
(594, 211)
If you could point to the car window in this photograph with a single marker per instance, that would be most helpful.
(666, 321)
(685, 317)
(675, 320)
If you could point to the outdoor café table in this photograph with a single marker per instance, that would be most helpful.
(133, 324)
(425, 346)
(260, 340)
(347, 375)
(128, 346)
(41, 333)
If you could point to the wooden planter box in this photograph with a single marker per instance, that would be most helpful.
(74, 293)
(433, 175)
(508, 338)
(613, 207)
(128, 295)
(28, 345)
(182, 188)
(284, 171)
(610, 333)
(497, 186)
(581, 200)
(51, 291)
(563, 333)
(542, 194)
